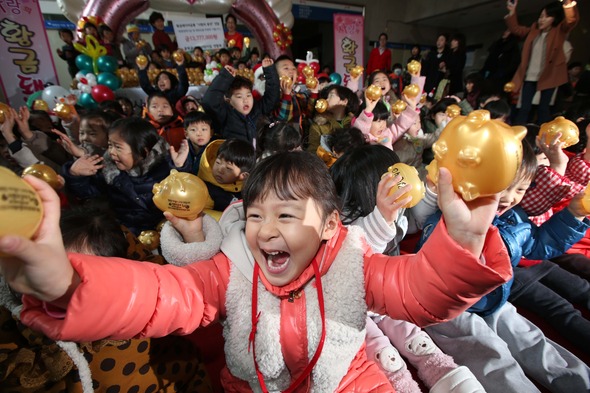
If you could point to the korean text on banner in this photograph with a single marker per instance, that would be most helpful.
(204, 32)
(349, 44)
(27, 62)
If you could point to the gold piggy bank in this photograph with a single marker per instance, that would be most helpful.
(570, 135)
(409, 175)
(182, 194)
(482, 155)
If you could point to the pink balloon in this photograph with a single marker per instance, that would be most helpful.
(102, 93)
(261, 20)
(115, 13)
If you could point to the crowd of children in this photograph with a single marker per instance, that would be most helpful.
(306, 268)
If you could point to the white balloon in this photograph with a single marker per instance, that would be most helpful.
(71, 9)
(52, 94)
(80, 75)
(91, 78)
(86, 89)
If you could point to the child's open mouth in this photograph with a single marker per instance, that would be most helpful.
(277, 261)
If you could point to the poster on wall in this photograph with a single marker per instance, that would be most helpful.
(204, 32)
(27, 64)
(349, 45)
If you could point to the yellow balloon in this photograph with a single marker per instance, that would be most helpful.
(311, 83)
(570, 135)
(40, 105)
(321, 105)
(287, 80)
(231, 43)
(178, 56)
(65, 111)
(182, 194)
(586, 200)
(308, 72)
(4, 111)
(411, 91)
(150, 239)
(141, 61)
(509, 87)
(45, 173)
(20, 206)
(409, 175)
(398, 107)
(483, 155)
(246, 42)
(414, 67)
(453, 111)
(373, 92)
(356, 71)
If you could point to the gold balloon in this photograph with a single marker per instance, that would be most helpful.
(161, 225)
(231, 43)
(356, 71)
(586, 200)
(182, 194)
(398, 107)
(287, 80)
(423, 98)
(482, 155)
(4, 111)
(178, 56)
(570, 135)
(509, 87)
(373, 92)
(321, 105)
(453, 111)
(411, 91)
(20, 205)
(141, 61)
(409, 175)
(311, 83)
(45, 173)
(414, 67)
(308, 72)
(64, 111)
(246, 42)
(40, 105)
(150, 239)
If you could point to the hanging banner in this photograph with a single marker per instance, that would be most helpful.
(204, 32)
(349, 44)
(27, 64)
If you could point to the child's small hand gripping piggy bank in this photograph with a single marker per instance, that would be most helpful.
(482, 155)
(570, 135)
(182, 194)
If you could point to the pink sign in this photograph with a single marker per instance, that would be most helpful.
(27, 63)
(349, 43)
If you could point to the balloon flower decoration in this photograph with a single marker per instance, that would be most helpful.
(97, 79)
(409, 175)
(182, 194)
(482, 155)
(282, 36)
(21, 207)
(212, 69)
(307, 69)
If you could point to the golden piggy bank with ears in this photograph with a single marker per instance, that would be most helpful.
(483, 155)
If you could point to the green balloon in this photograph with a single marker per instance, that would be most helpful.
(107, 64)
(87, 101)
(109, 79)
(33, 97)
(84, 63)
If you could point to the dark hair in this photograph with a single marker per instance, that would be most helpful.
(198, 117)
(380, 112)
(112, 107)
(371, 77)
(91, 230)
(583, 138)
(138, 133)
(574, 64)
(222, 51)
(384, 35)
(290, 176)
(441, 106)
(102, 28)
(162, 48)
(352, 105)
(344, 139)
(528, 166)
(459, 37)
(127, 101)
(239, 152)
(234, 49)
(158, 94)
(239, 82)
(475, 78)
(173, 79)
(418, 47)
(555, 10)
(284, 57)
(38, 115)
(397, 65)
(277, 137)
(155, 16)
(230, 16)
(356, 175)
(89, 24)
(66, 31)
(498, 109)
(198, 47)
(532, 130)
(99, 120)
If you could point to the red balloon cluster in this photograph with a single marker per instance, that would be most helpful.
(102, 93)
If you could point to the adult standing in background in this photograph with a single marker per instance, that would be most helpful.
(134, 46)
(435, 63)
(232, 34)
(543, 66)
(416, 54)
(380, 57)
(456, 63)
(502, 61)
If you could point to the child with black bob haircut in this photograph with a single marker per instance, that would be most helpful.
(277, 137)
(230, 99)
(224, 166)
(291, 283)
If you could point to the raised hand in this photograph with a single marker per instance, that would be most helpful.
(231, 70)
(179, 157)
(267, 62)
(190, 230)
(86, 166)
(68, 144)
(389, 205)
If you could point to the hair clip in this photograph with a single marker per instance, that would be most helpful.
(271, 125)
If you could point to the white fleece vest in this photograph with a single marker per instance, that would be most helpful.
(345, 309)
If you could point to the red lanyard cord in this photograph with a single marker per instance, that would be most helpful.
(256, 316)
